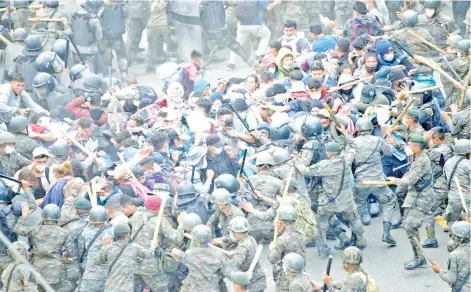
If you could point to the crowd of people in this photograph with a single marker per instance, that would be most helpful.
(352, 110)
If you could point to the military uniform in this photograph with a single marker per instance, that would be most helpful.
(139, 12)
(337, 194)
(461, 66)
(460, 124)
(49, 32)
(301, 282)
(20, 15)
(439, 27)
(120, 275)
(206, 269)
(11, 163)
(419, 199)
(221, 220)
(157, 33)
(244, 254)
(19, 278)
(291, 240)
(282, 171)
(95, 275)
(458, 267)
(354, 282)
(48, 246)
(150, 270)
(266, 183)
(462, 172)
(414, 45)
(73, 264)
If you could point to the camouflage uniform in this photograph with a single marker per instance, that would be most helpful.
(48, 246)
(335, 198)
(301, 282)
(22, 280)
(458, 267)
(75, 250)
(150, 270)
(11, 163)
(244, 254)
(460, 124)
(282, 171)
(438, 155)
(221, 220)
(121, 276)
(95, 275)
(68, 214)
(368, 166)
(25, 145)
(415, 46)
(462, 172)
(419, 200)
(461, 66)
(354, 282)
(7, 213)
(439, 27)
(206, 268)
(266, 183)
(291, 240)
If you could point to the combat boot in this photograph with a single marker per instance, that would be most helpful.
(322, 250)
(365, 215)
(397, 223)
(344, 242)
(415, 263)
(387, 233)
(431, 241)
(361, 242)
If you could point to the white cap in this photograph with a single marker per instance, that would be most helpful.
(40, 151)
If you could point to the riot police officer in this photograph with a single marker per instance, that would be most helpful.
(24, 63)
(189, 201)
(86, 32)
(45, 93)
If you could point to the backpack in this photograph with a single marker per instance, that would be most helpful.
(213, 15)
(364, 26)
(246, 11)
(147, 92)
(371, 285)
(305, 219)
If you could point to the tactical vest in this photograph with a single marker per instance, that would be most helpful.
(27, 68)
(193, 205)
(113, 21)
(82, 33)
(21, 4)
(434, 120)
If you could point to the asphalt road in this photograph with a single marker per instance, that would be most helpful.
(384, 263)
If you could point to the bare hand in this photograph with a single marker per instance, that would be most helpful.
(25, 211)
(180, 218)
(25, 185)
(230, 254)
(217, 241)
(391, 141)
(428, 135)
(454, 108)
(24, 111)
(342, 129)
(209, 174)
(247, 206)
(175, 156)
(107, 240)
(436, 267)
(327, 279)
(233, 133)
(316, 286)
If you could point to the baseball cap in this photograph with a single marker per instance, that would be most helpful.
(214, 140)
(41, 151)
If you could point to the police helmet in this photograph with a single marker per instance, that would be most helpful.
(264, 158)
(190, 220)
(453, 40)
(51, 212)
(432, 3)
(7, 138)
(201, 233)
(121, 229)
(60, 48)
(463, 46)
(51, 3)
(185, 188)
(77, 71)
(17, 124)
(352, 255)
(221, 197)
(19, 34)
(227, 181)
(311, 127)
(281, 132)
(92, 83)
(238, 224)
(462, 147)
(460, 229)
(293, 262)
(281, 155)
(287, 213)
(410, 18)
(33, 45)
(364, 124)
(44, 80)
(60, 148)
(98, 214)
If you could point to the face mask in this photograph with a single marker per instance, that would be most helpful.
(458, 54)
(286, 67)
(271, 70)
(229, 123)
(9, 150)
(41, 168)
(315, 96)
(370, 69)
(218, 151)
(290, 38)
(430, 12)
(408, 151)
(347, 91)
(388, 58)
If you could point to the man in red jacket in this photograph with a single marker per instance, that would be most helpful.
(89, 107)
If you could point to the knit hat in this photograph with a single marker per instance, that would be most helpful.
(383, 47)
(240, 104)
(153, 202)
(396, 75)
(360, 7)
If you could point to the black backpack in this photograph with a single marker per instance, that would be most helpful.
(213, 15)
(246, 11)
(147, 92)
